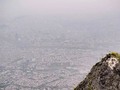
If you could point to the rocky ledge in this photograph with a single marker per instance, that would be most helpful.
(104, 75)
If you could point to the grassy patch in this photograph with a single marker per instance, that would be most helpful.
(115, 55)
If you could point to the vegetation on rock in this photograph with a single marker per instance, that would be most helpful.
(102, 76)
(115, 54)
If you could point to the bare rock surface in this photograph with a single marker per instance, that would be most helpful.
(104, 75)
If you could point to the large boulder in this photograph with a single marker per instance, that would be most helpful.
(104, 75)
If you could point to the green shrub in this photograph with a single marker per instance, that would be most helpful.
(115, 55)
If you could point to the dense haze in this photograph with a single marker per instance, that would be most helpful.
(66, 8)
(47, 44)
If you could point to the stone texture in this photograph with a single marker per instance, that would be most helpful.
(102, 77)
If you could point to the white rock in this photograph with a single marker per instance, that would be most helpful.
(112, 62)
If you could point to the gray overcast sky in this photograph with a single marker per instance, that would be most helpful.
(61, 7)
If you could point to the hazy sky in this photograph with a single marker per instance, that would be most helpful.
(59, 7)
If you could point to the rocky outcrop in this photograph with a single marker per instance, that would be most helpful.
(104, 75)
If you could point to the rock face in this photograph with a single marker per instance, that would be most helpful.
(104, 75)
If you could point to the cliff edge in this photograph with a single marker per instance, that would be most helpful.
(104, 75)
